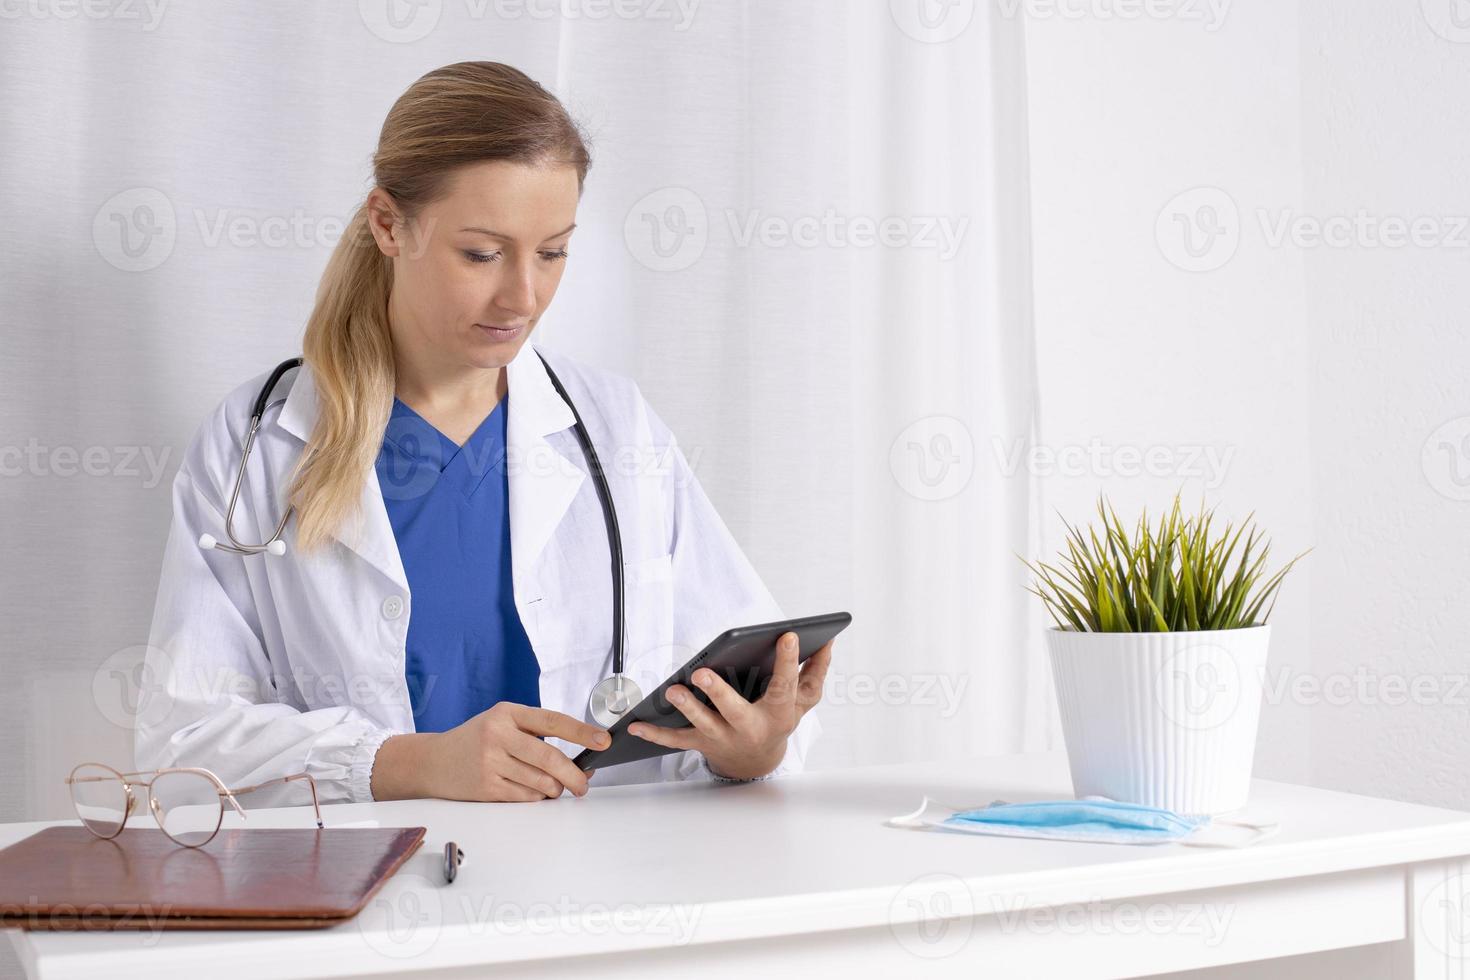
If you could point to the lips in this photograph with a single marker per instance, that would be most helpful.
(500, 333)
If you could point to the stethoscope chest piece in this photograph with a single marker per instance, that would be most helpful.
(612, 698)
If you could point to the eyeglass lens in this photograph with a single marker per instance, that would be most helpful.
(100, 798)
(187, 806)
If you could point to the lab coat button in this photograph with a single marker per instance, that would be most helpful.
(393, 607)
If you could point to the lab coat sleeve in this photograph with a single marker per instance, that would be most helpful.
(215, 703)
(715, 588)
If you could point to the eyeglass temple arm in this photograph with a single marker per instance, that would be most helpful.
(311, 783)
(122, 776)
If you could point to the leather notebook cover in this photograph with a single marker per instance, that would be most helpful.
(65, 878)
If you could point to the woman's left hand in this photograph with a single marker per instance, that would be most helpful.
(742, 739)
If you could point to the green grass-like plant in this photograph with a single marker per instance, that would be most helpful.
(1181, 574)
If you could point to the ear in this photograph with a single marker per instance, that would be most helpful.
(385, 222)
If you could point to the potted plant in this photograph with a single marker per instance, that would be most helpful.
(1159, 656)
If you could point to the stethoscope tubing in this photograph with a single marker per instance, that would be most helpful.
(275, 545)
(609, 515)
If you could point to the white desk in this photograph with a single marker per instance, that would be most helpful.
(799, 873)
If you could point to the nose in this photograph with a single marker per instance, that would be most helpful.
(516, 292)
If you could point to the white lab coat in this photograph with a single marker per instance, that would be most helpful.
(261, 666)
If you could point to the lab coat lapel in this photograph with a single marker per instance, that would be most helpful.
(370, 536)
(542, 482)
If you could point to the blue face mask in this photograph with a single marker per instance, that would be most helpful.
(1089, 819)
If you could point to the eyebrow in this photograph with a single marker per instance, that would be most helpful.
(508, 238)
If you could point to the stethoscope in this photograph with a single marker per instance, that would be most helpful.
(612, 697)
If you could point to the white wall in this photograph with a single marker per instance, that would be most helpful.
(1329, 374)
(1384, 132)
(1166, 374)
(1335, 371)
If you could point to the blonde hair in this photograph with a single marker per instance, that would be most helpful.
(460, 114)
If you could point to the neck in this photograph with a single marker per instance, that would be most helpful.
(425, 378)
(447, 388)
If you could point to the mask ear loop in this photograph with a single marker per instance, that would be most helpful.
(1259, 832)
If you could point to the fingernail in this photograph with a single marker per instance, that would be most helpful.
(702, 679)
(677, 697)
(790, 642)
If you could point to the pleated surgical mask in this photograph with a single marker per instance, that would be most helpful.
(1093, 819)
(1088, 819)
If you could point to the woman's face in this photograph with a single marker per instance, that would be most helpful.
(489, 253)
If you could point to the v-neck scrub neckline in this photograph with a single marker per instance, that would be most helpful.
(449, 508)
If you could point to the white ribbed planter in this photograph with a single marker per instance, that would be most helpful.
(1161, 719)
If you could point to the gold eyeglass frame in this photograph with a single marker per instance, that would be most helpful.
(153, 806)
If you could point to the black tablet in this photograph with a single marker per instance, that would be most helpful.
(745, 657)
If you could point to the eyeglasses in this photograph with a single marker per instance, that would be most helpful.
(188, 804)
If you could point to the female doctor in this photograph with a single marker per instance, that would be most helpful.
(443, 606)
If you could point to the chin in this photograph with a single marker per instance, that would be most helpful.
(488, 354)
(488, 360)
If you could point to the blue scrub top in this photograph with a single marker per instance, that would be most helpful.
(450, 510)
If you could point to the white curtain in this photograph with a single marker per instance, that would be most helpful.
(803, 234)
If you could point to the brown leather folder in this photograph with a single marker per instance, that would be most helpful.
(65, 878)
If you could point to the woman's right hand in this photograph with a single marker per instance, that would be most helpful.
(496, 756)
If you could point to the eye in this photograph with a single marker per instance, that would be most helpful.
(482, 257)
